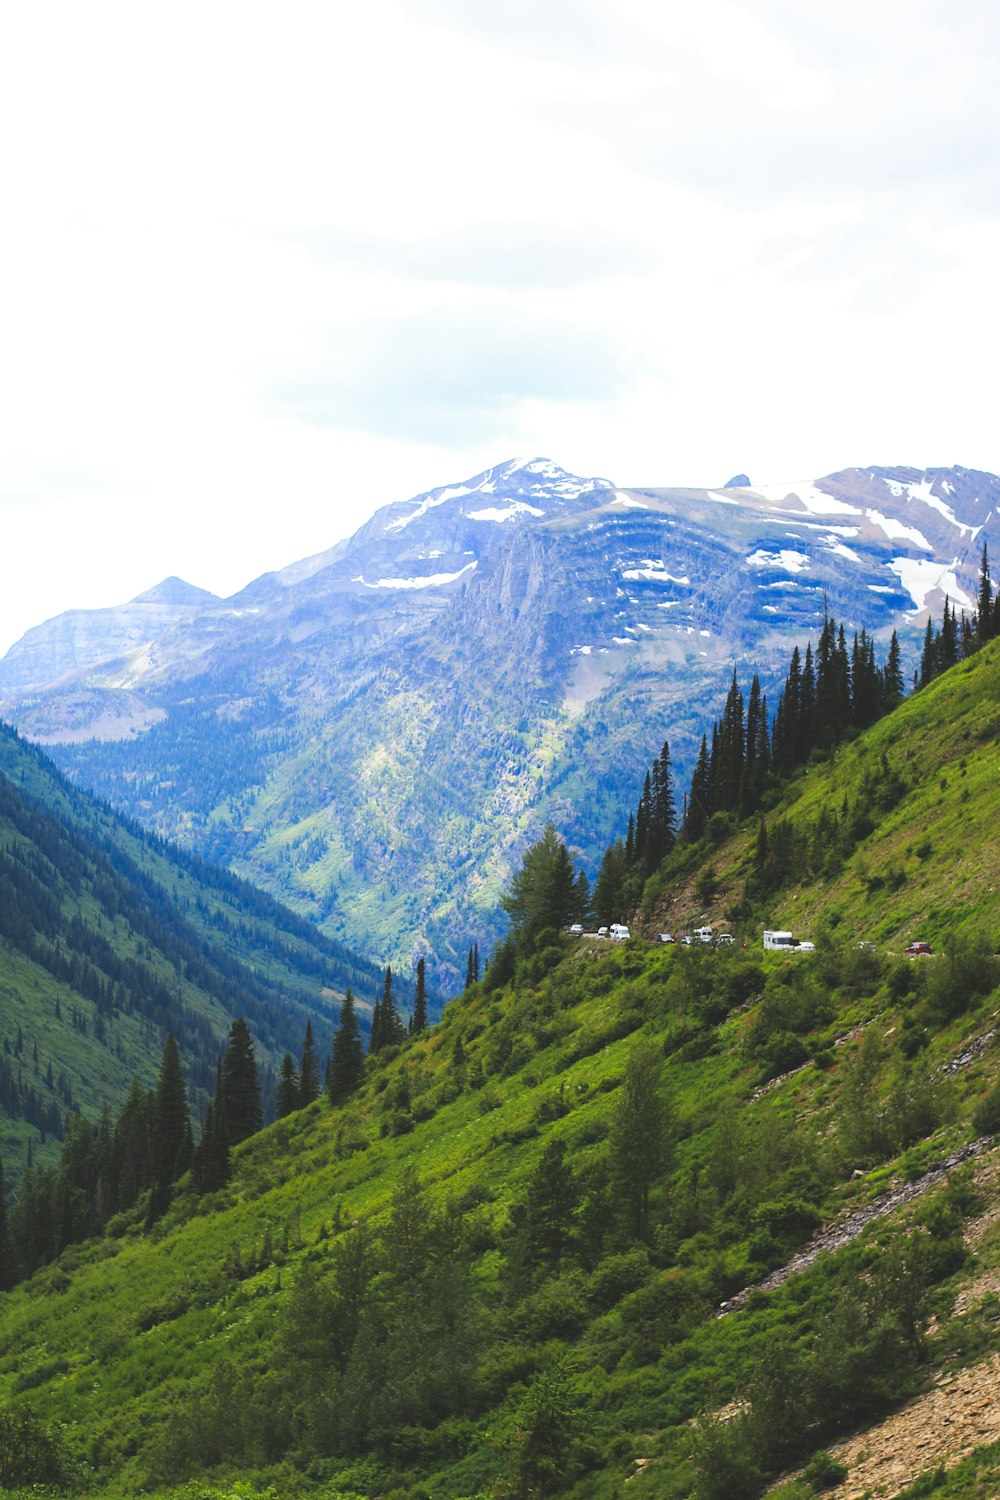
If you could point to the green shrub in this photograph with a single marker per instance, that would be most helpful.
(986, 1116)
(30, 1451)
(824, 1472)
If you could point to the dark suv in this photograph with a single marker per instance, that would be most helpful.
(916, 948)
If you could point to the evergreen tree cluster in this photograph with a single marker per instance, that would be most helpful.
(106, 1167)
(828, 693)
(388, 1029)
(958, 636)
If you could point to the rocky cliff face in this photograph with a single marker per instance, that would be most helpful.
(375, 733)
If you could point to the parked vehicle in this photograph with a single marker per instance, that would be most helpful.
(602, 932)
(724, 938)
(703, 934)
(576, 930)
(917, 948)
(619, 932)
(785, 942)
(666, 937)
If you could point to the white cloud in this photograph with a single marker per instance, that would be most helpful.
(664, 244)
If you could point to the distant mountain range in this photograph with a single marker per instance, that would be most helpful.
(376, 732)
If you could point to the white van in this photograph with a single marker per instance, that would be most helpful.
(619, 932)
(703, 934)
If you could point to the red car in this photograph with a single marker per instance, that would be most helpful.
(916, 948)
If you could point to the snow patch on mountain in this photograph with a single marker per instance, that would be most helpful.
(921, 578)
(629, 501)
(427, 581)
(494, 513)
(425, 505)
(840, 548)
(787, 558)
(721, 499)
(814, 500)
(896, 531)
(922, 491)
(653, 571)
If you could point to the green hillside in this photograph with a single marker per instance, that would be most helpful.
(110, 937)
(889, 838)
(503, 1268)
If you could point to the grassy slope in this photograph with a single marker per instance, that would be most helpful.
(112, 1337)
(941, 837)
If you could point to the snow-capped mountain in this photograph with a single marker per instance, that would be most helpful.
(376, 731)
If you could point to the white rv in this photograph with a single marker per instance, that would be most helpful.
(703, 934)
(779, 941)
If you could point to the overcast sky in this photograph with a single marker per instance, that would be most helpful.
(266, 267)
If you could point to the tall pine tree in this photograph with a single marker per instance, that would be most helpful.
(173, 1122)
(308, 1070)
(288, 1087)
(418, 1021)
(240, 1088)
(347, 1060)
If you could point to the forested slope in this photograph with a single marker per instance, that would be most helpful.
(498, 1268)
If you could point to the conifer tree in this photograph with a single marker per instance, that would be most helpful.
(609, 888)
(393, 1030)
(308, 1070)
(639, 1137)
(757, 760)
(984, 602)
(375, 1042)
(469, 970)
(347, 1059)
(173, 1122)
(132, 1146)
(892, 677)
(928, 659)
(643, 818)
(552, 1196)
(699, 799)
(475, 962)
(240, 1088)
(420, 999)
(288, 1087)
(948, 639)
(544, 893)
(211, 1166)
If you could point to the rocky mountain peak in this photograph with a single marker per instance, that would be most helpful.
(175, 591)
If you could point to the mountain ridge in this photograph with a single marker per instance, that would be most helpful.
(375, 733)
